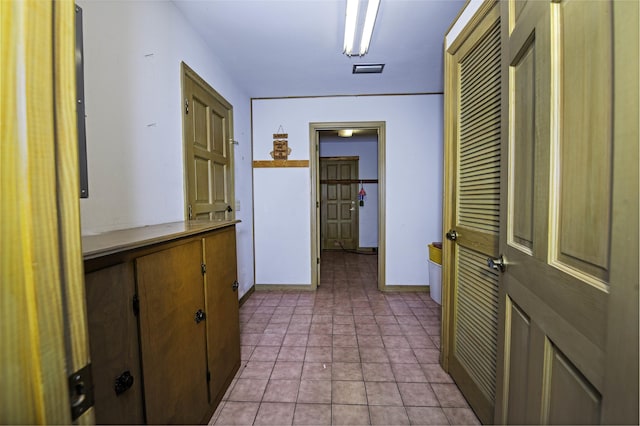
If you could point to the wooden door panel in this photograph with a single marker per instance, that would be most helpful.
(585, 116)
(517, 325)
(202, 181)
(223, 333)
(571, 398)
(173, 345)
(200, 124)
(521, 182)
(217, 131)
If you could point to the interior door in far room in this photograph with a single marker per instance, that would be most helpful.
(208, 152)
(339, 207)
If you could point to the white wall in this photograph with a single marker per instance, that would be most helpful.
(469, 10)
(414, 147)
(133, 100)
(366, 148)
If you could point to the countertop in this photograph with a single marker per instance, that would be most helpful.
(98, 245)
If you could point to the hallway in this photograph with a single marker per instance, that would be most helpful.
(345, 354)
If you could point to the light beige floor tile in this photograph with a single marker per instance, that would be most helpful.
(238, 413)
(348, 392)
(275, 413)
(315, 391)
(312, 414)
(350, 415)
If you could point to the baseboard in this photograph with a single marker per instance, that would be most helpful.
(246, 295)
(407, 288)
(284, 287)
(368, 249)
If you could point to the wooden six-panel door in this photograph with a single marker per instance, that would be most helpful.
(208, 151)
(561, 215)
(339, 205)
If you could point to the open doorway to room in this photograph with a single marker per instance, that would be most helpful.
(347, 170)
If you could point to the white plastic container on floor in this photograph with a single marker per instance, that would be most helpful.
(435, 282)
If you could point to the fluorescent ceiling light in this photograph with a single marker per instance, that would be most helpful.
(351, 18)
(368, 68)
(345, 133)
(369, 21)
(350, 26)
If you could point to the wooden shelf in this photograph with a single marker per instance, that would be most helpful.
(260, 164)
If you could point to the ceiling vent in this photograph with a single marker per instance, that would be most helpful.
(368, 68)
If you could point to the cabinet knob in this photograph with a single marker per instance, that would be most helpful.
(123, 382)
(235, 285)
(200, 316)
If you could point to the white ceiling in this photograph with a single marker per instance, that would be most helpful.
(281, 48)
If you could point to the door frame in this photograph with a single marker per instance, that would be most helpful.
(314, 168)
(355, 159)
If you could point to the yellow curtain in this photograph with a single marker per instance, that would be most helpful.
(42, 321)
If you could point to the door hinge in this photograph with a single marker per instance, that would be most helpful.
(203, 267)
(318, 260)
(317, 204)
(80, 391)
(186, 106)
(190, 211)
(136, 305)
(208, 376)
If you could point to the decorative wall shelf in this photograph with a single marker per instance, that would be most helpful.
(260, 164)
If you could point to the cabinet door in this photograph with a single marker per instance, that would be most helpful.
(170, 288)
(223, 329)
(113, 343)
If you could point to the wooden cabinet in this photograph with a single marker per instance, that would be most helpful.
(221, 293)
(172, 340)
(113, 341)
(178, 298)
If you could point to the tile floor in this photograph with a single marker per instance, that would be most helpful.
(346, 354)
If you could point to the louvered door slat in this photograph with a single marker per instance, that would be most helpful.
(486, 151)
(477, 331)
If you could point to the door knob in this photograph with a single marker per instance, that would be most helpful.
(498, 263)
(200, 316)
(123, 382)
(452, 235)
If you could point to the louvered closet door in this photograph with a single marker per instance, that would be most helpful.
(474, 309)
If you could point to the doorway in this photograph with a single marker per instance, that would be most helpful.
(373, 202)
